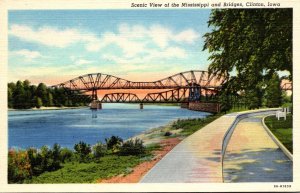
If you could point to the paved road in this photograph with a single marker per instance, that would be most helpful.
(252, 156)
(198, 158)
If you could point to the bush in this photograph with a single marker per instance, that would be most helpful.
(132, 147)
(83, 150)
(66, 155)
(99, 150)
(19, 167)
(168, 133)
(113, 143)
(35, 160)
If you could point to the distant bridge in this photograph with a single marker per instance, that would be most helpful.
(287, 86)
(187, 88)
(184, 87)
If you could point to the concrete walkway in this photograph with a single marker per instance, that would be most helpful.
(252, 156)
(196, 159)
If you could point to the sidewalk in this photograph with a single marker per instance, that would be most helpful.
(196, 159)
(252, 156)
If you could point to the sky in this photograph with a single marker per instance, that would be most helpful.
(139, 45)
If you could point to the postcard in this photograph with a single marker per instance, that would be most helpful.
(149, 96)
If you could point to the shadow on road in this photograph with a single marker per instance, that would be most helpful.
(263, 165)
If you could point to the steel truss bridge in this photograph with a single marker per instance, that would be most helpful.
(194, 85)
(287, 86)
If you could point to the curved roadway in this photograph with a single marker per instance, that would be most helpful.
(252, 156)
(198, 158)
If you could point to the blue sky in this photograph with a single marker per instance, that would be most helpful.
(140, 45)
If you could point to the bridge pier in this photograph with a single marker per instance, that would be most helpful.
(141, 106)
(184, 105)
(96, 105)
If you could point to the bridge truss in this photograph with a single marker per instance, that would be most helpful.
(181, 87)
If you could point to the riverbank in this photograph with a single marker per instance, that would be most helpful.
(47, 108)
(111, 166)
(166, 138)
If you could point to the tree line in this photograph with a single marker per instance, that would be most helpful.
(23, 95)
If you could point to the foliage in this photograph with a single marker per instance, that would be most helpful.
(132, 147)
(18, 166)
(114, 143)
(189, 126)
(251, 43)
(254, 97)
(282, 129)
(168, 133)
(83, 150)
(66, 155)
(273, 92)
(76, 172)
(99, 150)
(23, 95)
(39, 102)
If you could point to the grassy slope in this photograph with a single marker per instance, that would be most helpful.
(75, 172)
(190, 126)
(282, 129)
(112, 165)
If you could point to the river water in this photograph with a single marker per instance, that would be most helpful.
(66, 127)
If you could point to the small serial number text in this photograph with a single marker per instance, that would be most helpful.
(282, 186)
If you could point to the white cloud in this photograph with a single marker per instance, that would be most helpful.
(152, 56)
(143, 45)
(188, 36)
(28, 54)
(83, 61)
(130, 44)
(54, 37)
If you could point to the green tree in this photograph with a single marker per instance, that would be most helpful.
(114, 143)
(254, 98)
(18, 96)
(99, 149)
(83, 150)
(56, 152)
(254, 43)
(39, 102)
(11, 87)
(66, 155)
(273, 92)
(133, 147)
(42, 93)
(9, 97)
(50, 99)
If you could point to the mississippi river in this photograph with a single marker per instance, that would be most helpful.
(35, 128)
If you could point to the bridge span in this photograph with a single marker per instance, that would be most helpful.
(184, 87)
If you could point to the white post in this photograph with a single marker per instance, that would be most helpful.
(285, 112)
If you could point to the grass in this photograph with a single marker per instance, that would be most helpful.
(236, 109)
(282, 129)
(190, 126)
(75, 172)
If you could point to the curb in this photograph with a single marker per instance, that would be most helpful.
(238, 118)
(276, 140)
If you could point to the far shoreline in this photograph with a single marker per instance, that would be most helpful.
(47, 108)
